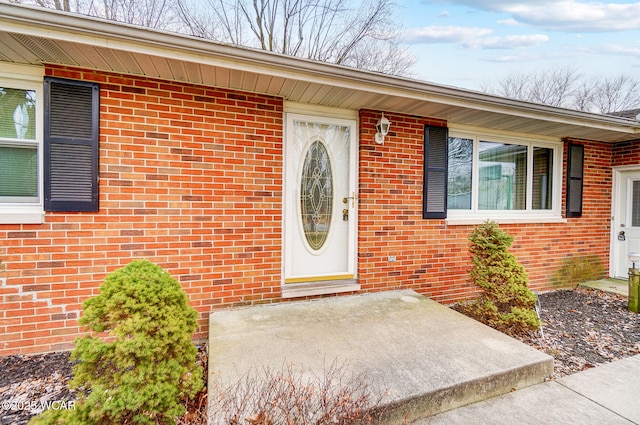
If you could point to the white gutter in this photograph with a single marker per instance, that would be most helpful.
(46, 23)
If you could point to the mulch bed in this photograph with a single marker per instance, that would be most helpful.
(582, 328)
(28, 383)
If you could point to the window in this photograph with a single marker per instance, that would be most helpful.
(459, 184)
(498, 177)
(21, 146)
(18, 146)
(635, 203)
(48, 155)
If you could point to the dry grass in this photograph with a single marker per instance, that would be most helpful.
(291, 396)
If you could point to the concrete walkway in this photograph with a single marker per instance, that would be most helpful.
(616, 286)
(422, 357)
(608, 394)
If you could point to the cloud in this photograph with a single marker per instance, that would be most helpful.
(571, 15)
(508, 42)
(509, 21)
(471, 37)
(618, 49)
(565, 15)
(514, 58)
(586, 52)
(443, 14)
(444, 34)
(493, 5)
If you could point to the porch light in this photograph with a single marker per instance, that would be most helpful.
(382, 129)
(634, 257)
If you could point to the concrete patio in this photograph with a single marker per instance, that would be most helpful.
(423, 357)
(616, 286)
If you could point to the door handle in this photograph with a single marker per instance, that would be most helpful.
(345, 214)
(352, 197)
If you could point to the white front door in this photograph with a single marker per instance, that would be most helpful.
(626, 223)
(320, 199)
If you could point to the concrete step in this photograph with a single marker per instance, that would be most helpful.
(421, 357)
(607, 394)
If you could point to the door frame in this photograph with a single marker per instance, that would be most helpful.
(617, 215)
(322, 115)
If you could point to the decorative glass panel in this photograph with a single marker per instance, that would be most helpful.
(503, 176)
(542, 178)
(460, 164)
(316, 195)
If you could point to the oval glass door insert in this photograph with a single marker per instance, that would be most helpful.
(316, 195)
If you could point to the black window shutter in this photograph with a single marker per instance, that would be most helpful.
(575, 174)
(436, 152)
(72, 113)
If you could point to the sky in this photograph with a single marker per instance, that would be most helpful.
(470, 43)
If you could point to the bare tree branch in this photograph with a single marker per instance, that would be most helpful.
(568, 88)
(616, 94)
(159, 14)
(322, 30)
(364, 36)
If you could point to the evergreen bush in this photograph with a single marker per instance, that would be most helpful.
(507, 303)
(139, 363)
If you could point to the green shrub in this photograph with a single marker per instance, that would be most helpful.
(507, 303)
(575, 270)
(144, 365)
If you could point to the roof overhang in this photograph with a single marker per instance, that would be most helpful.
(37, 36)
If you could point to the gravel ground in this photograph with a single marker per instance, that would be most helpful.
(29, 383)
(582, 328)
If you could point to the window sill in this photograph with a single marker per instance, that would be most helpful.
(460, 221)
(27, 217)
(309, 289)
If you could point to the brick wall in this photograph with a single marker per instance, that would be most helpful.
(431, 256)
(627, 153)
(190, 178)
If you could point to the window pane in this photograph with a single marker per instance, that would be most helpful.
(459, 183)
(18, 174)
(503, 176)
(635, 204)
(542, 178)
(17, 113)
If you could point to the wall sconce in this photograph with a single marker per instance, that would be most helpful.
(382, 129)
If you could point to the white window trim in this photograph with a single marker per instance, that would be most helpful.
(28, 78)
(476, 216)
